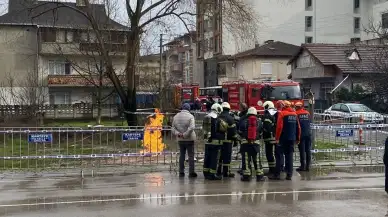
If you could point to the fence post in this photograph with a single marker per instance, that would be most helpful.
(55, 111)
(74, 111)
(360, 131)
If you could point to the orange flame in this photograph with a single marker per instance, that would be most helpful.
(152, 141)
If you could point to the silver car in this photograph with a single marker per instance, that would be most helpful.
(352, 112)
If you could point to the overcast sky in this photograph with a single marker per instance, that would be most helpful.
(152, 39)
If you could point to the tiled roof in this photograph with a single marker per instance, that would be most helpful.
(372, 57)
(271, 49)
(45, 13)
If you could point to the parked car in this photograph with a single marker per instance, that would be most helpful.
(352, 112)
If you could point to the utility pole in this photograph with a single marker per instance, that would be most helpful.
(160, 69)
(160, 60)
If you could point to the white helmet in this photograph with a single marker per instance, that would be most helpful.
(269, 105)
(225, 105)
(216, 108)
(252, 111)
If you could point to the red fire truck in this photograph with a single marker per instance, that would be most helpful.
(184, 93)
(255, 93)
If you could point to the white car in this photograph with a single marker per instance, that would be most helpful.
(352, 112)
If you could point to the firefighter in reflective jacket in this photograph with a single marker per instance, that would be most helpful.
(269, 122)
(250, 147)
(212, 142)
(305, 137)
(287, 134)
(230, 137)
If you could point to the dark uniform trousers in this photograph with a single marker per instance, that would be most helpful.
(249, 154)
(269, 146)
(284, 150)
(305, 152)
(386, 178)
(212, 155)
(225, 158)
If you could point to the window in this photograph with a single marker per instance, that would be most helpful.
(324, 89)
(336, 107)
(187, 57)
(285, 93)
(384, 20)
(59, 68)
(208, 25)
(69, 36)
(49, 35)
(309, 23)
(60, 36)
(354, 40)
(255, 92)
(356, 4)
(60, 98)
(210, 45)
(309, 4)
(266, 68)
(359, 108)
(187, 80)
(308, 40)
(356, 25)
(344, 108)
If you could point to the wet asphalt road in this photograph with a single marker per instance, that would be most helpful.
(164, 195)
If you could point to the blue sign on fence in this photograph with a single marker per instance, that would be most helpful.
(40, 138)
(344, 133)
(139, 135)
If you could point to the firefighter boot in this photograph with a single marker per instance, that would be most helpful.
(245, 178)
(214, 177)
(260, 178)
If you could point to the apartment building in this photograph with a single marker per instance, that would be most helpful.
(181, 60)
(301, 21)
(57, 51)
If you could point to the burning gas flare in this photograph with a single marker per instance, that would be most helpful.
(152, 141)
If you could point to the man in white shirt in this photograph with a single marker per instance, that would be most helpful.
(183, 126)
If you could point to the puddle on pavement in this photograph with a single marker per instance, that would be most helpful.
(71, 184)
(285, 196)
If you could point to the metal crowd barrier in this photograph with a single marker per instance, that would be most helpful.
(114, 147)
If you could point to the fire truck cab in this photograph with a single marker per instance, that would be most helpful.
(185, 93)
(255, 93)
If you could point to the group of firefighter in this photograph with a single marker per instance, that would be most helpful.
(280, 128)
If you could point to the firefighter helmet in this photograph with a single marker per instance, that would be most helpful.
(287, 103)
(268, 105)
(252, 111)
(299, 104)
(217, 108)
(279, 104)
(225, 105)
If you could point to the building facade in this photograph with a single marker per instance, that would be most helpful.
(301, 21)
(322, 67)
(58, 53)
(181, 60)
(267, 61)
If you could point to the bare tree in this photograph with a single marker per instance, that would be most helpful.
(28, 92)
(142, 14)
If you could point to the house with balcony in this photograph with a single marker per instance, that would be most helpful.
(59, 50)
(266, 61)
(181, 61)
(322, 67)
